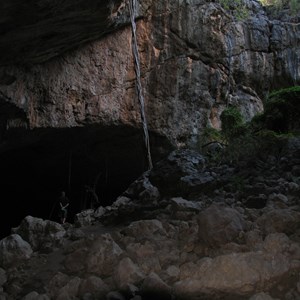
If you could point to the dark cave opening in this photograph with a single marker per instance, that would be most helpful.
(36, 165)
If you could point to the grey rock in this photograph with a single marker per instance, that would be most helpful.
(3, 277)
(114, 295)
(279, 220)
(94, 286)
(261, 296)
(219, 225)
(127, 273)
(40, 233)
(14, 250)
(98, 256)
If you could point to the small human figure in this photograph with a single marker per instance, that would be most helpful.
(92, 197)
(63, 203)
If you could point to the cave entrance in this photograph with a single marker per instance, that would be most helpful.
(36, 165)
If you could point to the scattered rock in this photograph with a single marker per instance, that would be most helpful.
(39, 233)
(94, 286)
(219, 225)
(127, 273)
(13, 250)
(212, 246)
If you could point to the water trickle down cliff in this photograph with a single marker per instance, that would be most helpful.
(230, 54)
(135, 51)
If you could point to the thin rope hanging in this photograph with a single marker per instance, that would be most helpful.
(135, 51)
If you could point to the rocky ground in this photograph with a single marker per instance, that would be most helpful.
(187, 229)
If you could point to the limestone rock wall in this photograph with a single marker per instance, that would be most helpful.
(196, 59)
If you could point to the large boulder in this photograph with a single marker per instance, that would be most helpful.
(182, 173)
(219, 225)
(279, 220)
(99, 257)
(14, 250)
(240, 273)
(153, 287)
(40, 234)
(93, 285)
(126, 273)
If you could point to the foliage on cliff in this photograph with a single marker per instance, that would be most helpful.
(281, 111)
(277, 5)
(265, 135)
(240, 9)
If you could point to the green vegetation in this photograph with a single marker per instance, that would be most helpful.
(276, 6)
(239, 9)
(295, 6)
(232, 123)
(281, 111)
(236, 7)
(265, 135)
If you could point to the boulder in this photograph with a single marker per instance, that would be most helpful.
(152, 229)
(237, 274)
(279, 220)
(14, 250)
(93, 285)
(56, 283)
(180, 174)
(144, 255)
(240, 273)
(153, 287)
(127, 273)
(3, 277)
(98, 257)
(35, 296)
(219, 225)
(115, 295)
(39, 233)
(70, 290)
(261, 296)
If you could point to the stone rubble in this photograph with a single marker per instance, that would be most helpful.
(235, 235)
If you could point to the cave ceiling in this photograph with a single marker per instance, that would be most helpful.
(35, 31)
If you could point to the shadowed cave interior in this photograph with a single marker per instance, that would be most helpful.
(36, 165)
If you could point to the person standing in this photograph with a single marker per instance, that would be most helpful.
(63, 204)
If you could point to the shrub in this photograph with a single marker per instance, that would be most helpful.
(232, 123)
(236, 7)
(281, 111)
(267, 133)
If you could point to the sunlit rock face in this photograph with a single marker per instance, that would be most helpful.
(195, 59)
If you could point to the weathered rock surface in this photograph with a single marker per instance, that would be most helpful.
(195, 59)
(40, 234)
(220, 225)
(205, 246)
(41, 30)
(13, 249)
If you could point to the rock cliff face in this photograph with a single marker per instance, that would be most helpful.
(196, 59)
(68, 115)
